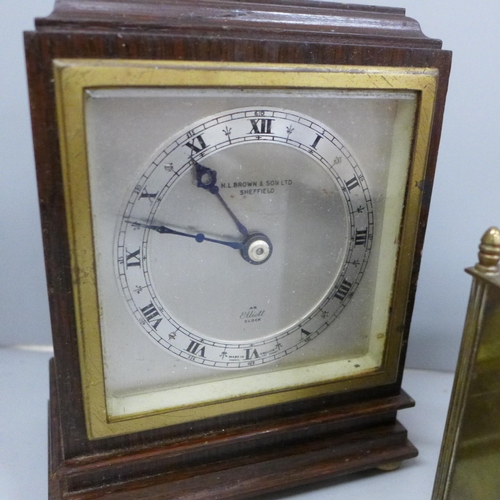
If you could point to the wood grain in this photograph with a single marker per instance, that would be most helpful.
(236, 455)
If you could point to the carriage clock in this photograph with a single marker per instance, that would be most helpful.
(233, 199)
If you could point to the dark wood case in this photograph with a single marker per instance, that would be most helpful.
(239, 455)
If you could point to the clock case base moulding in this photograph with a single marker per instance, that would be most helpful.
(241, 462)
(252, 452)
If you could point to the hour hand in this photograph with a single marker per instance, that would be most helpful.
(199, 237)
(207, 179)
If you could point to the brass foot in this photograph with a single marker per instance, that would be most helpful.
(390, 466)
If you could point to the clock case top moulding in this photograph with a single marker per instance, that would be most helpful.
(344, 23)
(252, 452)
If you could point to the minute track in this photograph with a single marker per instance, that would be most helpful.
(335, 159)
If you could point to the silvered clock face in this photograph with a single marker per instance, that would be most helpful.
(244, 238)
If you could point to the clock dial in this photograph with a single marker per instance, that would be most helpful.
(245, 237)
(243, 233)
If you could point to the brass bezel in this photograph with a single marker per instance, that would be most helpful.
(73, 76)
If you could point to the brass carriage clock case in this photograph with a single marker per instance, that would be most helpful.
(233, 208)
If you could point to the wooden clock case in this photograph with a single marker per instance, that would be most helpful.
(253, 452)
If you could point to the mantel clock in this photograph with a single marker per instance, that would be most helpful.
(234, 198)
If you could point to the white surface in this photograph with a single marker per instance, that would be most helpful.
(24, 391)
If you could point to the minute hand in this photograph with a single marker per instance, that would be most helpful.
(199, 237)
(207, 179)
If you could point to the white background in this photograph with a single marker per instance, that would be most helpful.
(465, 201)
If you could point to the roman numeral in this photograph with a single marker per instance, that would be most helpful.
(249, 354)
(306, 336)
(315, 143)
(134, 258)
(197, 144)
(194, 348)
(351, 184)
(145, 194)
(360, 238)
(261, 126)
(343, 290)
(151, 315)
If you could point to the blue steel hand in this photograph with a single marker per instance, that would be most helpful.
(199, 237)
(207, 179)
